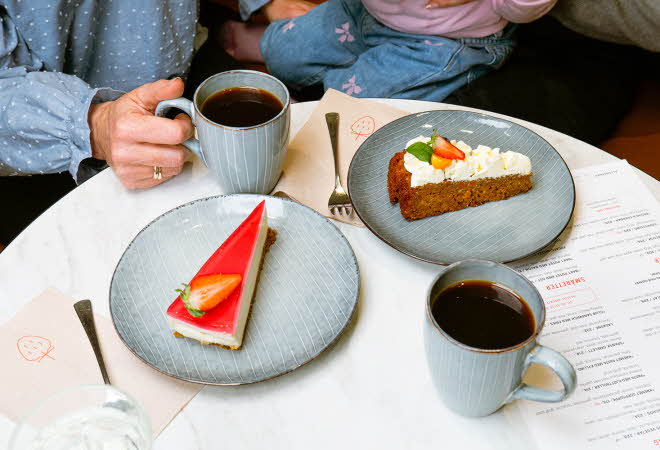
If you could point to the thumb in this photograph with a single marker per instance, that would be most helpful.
(150, 94)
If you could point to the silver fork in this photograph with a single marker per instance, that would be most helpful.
(339, 202)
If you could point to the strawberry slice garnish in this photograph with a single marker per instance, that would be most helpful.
(207, 291)
(444, 149)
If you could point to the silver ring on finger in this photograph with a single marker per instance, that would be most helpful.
(158, 173)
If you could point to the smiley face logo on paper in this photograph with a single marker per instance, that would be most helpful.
(34, 348)
(363, 127)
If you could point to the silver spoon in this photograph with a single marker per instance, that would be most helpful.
(85, 314)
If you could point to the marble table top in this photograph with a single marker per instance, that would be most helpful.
(372, 390)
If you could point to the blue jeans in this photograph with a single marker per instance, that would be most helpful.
(344, 47)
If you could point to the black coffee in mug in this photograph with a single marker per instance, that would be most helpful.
(483, 314)
(241, 107)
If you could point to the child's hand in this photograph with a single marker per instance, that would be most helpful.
(433, 4)
(286, 9)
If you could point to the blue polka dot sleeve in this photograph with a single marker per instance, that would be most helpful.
(43, 119)
(59, 56)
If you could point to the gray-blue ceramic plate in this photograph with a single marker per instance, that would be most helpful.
(501, 231)
(306, 296)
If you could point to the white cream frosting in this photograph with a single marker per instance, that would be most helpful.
(481, 162)
(516, 163)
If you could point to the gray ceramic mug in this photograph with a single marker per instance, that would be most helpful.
(477, 382)
(242, 159)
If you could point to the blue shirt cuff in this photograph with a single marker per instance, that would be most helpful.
(79, 132)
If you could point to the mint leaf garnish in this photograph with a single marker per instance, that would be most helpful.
(185, 294)
(421, 151)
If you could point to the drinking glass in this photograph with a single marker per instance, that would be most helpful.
(89, 417)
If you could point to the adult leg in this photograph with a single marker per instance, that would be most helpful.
(300, 51)
(559, 79)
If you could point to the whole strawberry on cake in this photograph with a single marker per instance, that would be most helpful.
(433, 176)
(214, 307)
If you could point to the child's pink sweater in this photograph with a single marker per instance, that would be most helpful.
(478, 18)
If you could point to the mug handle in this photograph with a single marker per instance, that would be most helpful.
(187, 107)
(555, 362)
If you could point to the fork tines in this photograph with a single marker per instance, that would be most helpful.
(341, 209)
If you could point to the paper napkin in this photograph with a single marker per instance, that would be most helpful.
(309, 175)
(44, 350)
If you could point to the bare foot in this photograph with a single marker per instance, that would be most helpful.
(241, 40)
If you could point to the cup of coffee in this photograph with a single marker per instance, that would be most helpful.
(242, 120)
(480, 334)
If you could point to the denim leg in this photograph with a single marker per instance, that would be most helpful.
(400, 65)
(300, 51)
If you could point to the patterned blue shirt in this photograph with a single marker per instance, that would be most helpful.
(59, 56)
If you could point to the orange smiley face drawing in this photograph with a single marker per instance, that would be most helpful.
(363, 127)
(34, 348)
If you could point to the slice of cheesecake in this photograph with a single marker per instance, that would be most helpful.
(242, 254)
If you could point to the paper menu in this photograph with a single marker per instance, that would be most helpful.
(601, 285)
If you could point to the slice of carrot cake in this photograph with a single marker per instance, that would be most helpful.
(433, 176)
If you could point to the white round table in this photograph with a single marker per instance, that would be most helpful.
(372, 390)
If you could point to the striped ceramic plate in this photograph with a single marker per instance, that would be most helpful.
(499, 231)
(306, 296)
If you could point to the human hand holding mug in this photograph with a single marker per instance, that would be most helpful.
(479, 349)
(244, 158)
(125, 134)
